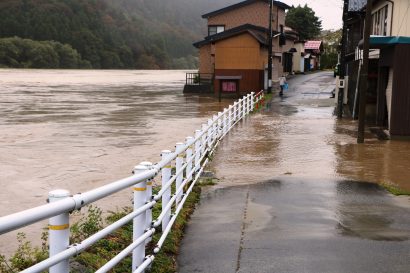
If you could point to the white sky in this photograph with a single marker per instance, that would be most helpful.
(329, 11)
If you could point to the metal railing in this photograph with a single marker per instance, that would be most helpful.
(190, 158)
(199, 78)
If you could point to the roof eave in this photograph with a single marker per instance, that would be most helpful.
(239, 5)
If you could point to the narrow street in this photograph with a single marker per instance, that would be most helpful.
(297, 194)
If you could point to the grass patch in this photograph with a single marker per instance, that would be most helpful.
(102, 251)
(393, 189)
(207, 181)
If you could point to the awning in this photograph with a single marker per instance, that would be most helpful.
(385, 41)
(228, 77)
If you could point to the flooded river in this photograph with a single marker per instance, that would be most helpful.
(78, 130)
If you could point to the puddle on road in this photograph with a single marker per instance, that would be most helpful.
(363, 210)
(299, 136)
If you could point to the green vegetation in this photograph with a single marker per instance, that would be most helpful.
(151, 34)
(101, 252)
(25, 256)
(331, 40)
(304, 20)
(393, 189)
(25, 53)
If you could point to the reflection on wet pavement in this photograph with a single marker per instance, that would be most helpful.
(298, 135)
(298, 225)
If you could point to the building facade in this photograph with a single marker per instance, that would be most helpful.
(235, 51)
(388, 94)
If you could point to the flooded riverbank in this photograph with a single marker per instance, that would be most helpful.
(80, 129)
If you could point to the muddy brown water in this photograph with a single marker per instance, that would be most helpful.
(82, 129)
(78, 130)
(299, 136)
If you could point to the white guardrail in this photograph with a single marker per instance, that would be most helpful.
(190, 159)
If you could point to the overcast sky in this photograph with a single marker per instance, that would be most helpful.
(329, 11)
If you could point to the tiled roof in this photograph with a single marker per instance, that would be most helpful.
(356, 5)
(242, 4)
(313, 45)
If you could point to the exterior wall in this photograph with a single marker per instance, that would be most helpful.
(398, 21)
(298, 58)
(401, 18)
(239, 52)
(256, 14)
(205, 59)
(400, 98)
(252, 79)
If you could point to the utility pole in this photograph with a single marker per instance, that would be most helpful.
(364, 73)
(342, 70)
(270, 57)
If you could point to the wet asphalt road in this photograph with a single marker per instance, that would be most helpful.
(291, 222)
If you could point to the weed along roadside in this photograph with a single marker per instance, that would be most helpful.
(144, 236)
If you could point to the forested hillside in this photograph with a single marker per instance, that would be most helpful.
(146, 34)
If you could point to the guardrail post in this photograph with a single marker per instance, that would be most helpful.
(59, 232)
(243, 107)
(148, 221)
(188, 169)
(220, 124)
(210, 134)
(166, 176)
(235, 106)
(230, 118)
(139, 222)
(197, 150)
(179, 162)
(224, 121)
(252, 100)
(248, 104)
(215, 127)
(204, 141)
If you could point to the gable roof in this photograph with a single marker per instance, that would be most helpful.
(242, 4)
(259, 33)
(315, 45)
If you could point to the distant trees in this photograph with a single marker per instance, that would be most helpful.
(109, 34)
(331, 40)
(304, 20)
(25, 53)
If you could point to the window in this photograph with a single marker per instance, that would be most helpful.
(215, 29)
(380, 21)
(229, 86)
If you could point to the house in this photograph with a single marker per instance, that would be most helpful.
(235, 51)
(313, 50)
(388, 94)
(299, 57)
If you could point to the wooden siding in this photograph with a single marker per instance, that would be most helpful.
(400, 108)
(252, 80)
(205, 63)
(239, 52)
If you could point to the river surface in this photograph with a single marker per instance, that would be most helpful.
(80, 129)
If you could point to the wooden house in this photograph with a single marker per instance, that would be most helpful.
(388, 93)
(235, 52)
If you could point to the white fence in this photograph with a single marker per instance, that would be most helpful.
(189, 158)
